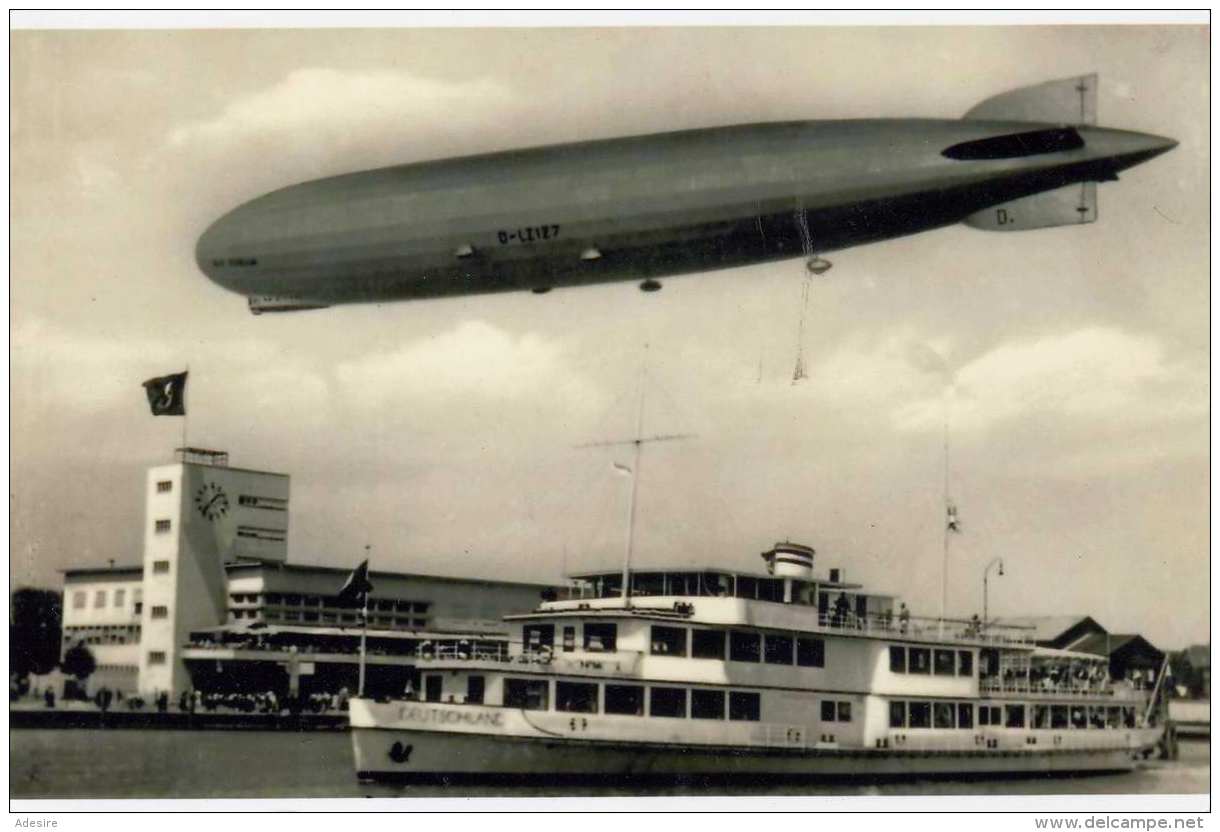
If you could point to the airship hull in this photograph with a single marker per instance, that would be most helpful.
(637, 208)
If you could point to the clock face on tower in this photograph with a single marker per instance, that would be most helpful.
(212, 501)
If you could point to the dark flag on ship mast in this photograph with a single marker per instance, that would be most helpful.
(357, 586)
(167, 394)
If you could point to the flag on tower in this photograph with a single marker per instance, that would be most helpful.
(167, 394)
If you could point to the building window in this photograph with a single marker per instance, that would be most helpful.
(669, 641)
(1042, 716)
(120, 595)
(99, 599)
(527, 694)
(539, 637)
(78, 600)
(707, 704)
(707, 644)
(777, 649)
(942, 715)
(828, 710)
(139, 607)
(747, 587)
(576, 696)
(625, 699)
(898, 714)
(569, 639)
(601, 638)
(919, 714)
(1014, 716)
(669, 702)
(164, 486)
(810, 652)
(160, 567)
(965, 663)
(159, 612)
(843, 711)
(1059, 716)
(743, 646)
(474, 690)
(156, 657)
(898, 659)
(161, 526)
(919, 660)
(965, 715)
(944, 664)
(744, 706)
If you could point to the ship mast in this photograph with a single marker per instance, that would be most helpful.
(637, 444)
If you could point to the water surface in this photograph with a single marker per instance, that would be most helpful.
(279, 764)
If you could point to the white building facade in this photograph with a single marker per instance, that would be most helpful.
(215, 562)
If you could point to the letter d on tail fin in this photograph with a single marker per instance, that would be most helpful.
(1070, 205)
(1066, 101)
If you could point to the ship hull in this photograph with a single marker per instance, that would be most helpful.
(405, 756)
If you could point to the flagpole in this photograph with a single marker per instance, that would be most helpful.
(364, 632)
(635, 480)
(944, 566)
(185, 411)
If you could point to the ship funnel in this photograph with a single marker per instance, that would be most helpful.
(790, 560)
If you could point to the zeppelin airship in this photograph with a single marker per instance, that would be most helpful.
(642, 208)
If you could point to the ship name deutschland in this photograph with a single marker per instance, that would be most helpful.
(438, 716)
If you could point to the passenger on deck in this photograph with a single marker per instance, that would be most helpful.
(904, 618)
(842, 610)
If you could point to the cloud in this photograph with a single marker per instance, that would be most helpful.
(1091, 374)
(472, 365)
(63, 371)
(326, 106)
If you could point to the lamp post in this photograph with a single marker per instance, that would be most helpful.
(993, 562)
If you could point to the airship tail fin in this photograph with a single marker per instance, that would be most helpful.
(1066, 101)
(1070, 205)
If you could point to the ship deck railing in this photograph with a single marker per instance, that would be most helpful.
(886, 625)
(940, 629)
(995, 685)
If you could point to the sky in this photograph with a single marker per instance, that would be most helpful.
(1073, 362)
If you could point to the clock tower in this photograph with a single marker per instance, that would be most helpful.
(200, 513)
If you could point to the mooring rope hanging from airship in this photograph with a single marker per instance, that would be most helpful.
(813, 265)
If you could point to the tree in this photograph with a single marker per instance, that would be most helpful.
(35, 619)
(79, 662)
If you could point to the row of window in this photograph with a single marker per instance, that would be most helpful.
(291, 599)
(248, 500)
(917, 714)
(926, 660)
(630, 700)
(260, 533)
(80, 598)
(105, 634)
(723, 585)
(314, 617)
(268, 503)
(737, 645)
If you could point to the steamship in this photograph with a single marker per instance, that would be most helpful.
(711, 674)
